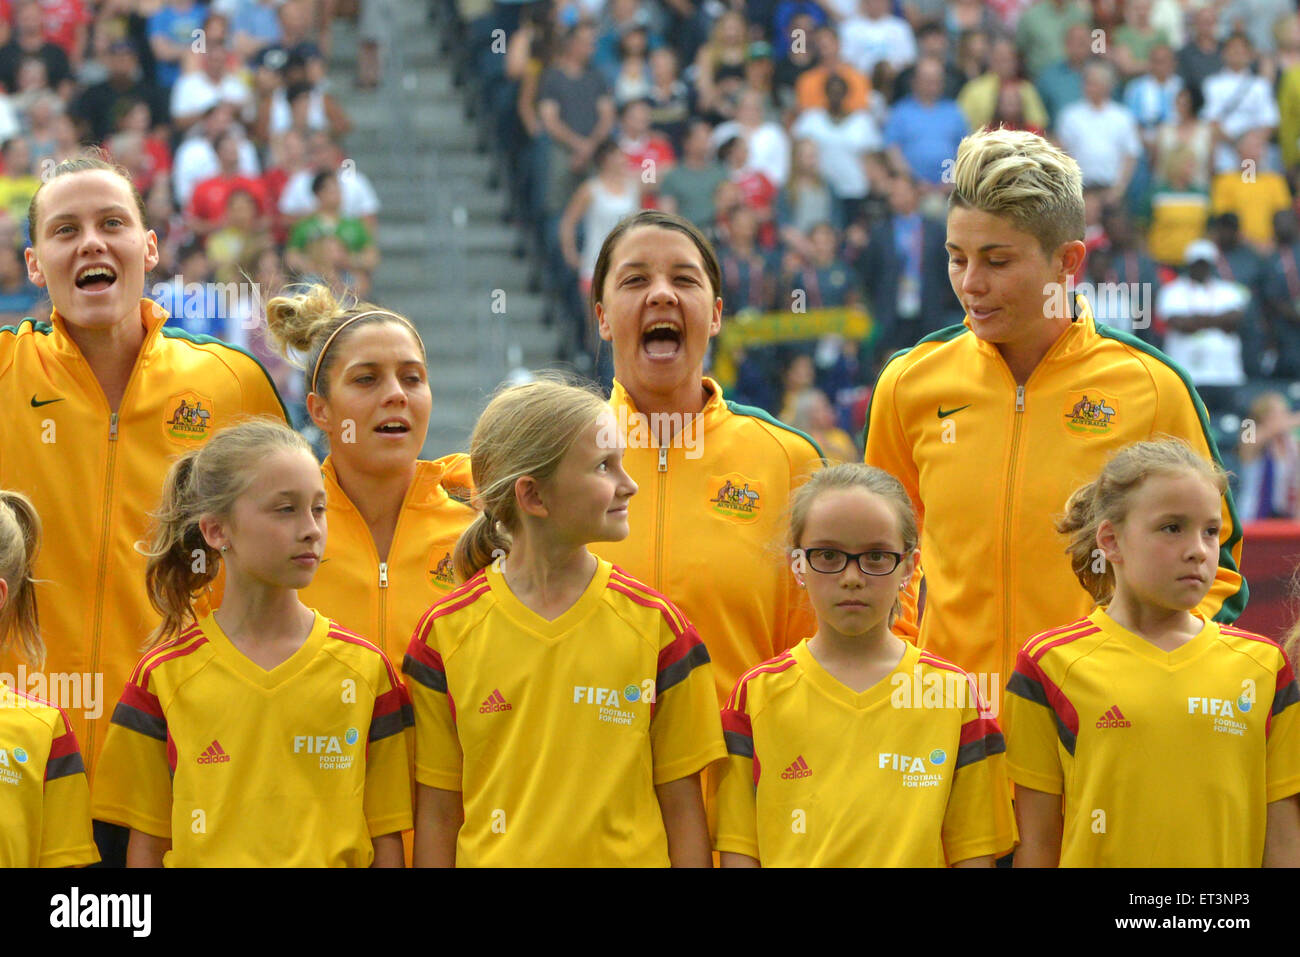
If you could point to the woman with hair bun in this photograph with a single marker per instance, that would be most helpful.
(392, 524)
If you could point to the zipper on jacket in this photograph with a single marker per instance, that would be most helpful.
(383, 605)
(659, 521)
(102, 564)
(1006, 530)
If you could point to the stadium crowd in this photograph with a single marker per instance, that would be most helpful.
(812, 140)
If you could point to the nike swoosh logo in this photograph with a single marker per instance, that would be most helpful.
(37, 405)
(944, 415)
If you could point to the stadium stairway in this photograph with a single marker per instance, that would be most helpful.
(447, 256)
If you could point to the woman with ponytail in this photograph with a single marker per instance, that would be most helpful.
(1145, 734)
(392, 522)
(564, 711)
(264, 734)
(44, 796)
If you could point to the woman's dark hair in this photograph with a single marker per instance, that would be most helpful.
(659, 220)
(320, 179)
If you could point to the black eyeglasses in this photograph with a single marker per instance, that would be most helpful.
(832, 561)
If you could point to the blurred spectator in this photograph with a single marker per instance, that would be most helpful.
(1241, 263)
(620, 19)
(207, 207)
(767, 142)
(1128, 272)
(965, 15)
(807, 199)
(810, 89)
(127, 150)
(648, 153)
(1180, 208)
(1269, 486)
(720, 67)
(923, 130)
(1061, 83)
(687, 189)
(814, 415)
(599, 203)
(254, 26)
(19, 182)
(154, 139)
(905, 268)
(756, 190)
(972, 58)
(1152, 97)
(577, 113)
(747, 273)
(822, 279)
(1136, 39)
(1040, 32)
(188, 295)
(173, 31)
(18, 297)
(29, 40)
(102, 105)
(630, 79)
(196, 158)
(1237, 101)
(843, 140)
(1101, 134)
(1281, 295)
(233, 249)
(301, 100)
(800, 374)
(1203, 313)
(1252, 192)
(207, 80)
(1010, 114)
(760, 77)
(669, 96)
(806, 16)
(298, 199)
(1255, 18)
(356, 252)
(1184, 143)
(1199, 58)
(374, 21)
(873, 35)
(979, 97)
(933, 42)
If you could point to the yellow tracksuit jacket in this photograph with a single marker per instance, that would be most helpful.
(383, 601)
(95, 475)
(989, 465)
(708, 527)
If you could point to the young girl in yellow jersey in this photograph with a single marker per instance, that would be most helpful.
(263, 734)
(1144, 735)
(44, 797)
(392, 524)
(564, 711)
(855, 748)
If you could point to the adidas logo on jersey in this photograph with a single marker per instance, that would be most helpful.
(798, 769)
(1114, 718)
(495, 702)
(215, 754)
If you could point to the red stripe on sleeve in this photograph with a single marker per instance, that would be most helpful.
(387, 703)
(1055, 696)
(63, 745)
(681, 646)
(978, 728)
(738, 722)
(142, 700)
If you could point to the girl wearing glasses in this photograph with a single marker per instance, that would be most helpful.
(855, 748)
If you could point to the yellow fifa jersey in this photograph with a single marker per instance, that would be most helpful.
(989, 464)
(44, 797)
(385, 599)
(1165, 759)
(95, 475)
(557, 732)
(908, 773)
(708, 525)
(299, 766)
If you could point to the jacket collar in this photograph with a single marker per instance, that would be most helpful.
(426, 491)
(1076, 336)
(715, 407)
(151, 314)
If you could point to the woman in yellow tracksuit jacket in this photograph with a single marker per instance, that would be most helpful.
(391, 523)
(97, 401)
(991, 424)
(706, 523)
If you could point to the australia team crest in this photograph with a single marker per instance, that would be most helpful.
(188, 417)
(1090, 412)
(735, 497)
